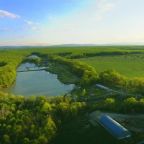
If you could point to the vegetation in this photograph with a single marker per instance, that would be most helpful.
(9, 61)
(130, 65)
(129, 105)
(35, 120)
(43, 120)
(86, 74)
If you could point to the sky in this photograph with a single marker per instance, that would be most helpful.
(52, 22)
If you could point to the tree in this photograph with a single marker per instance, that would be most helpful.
(130, 101)
(111, 77)
(50, 128)
(46, 107)
(42, 139)
(26, 141)
(109, 103)
(130, 104)
(6, 139)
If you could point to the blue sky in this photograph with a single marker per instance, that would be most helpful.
(47, 22)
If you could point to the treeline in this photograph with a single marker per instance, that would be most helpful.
(110, 53)
(128, 85)
(7, 76)
(34, 120)
(129, 105)
(86, 73)
(9, 61)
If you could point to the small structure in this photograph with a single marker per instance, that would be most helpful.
(104, 87)
(113, 127)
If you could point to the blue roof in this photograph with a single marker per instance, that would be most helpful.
(113, 127)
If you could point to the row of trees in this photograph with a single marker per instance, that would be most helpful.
(128, 105)
(9, 61)
(114, 79)
(86, 73)
(103, 53)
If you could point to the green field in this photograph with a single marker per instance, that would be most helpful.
(128, 65)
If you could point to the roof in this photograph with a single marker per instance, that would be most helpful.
(113, 127)
(103, 87)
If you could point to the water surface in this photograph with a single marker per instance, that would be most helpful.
(38, 83)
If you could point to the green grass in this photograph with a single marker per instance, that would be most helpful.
(128, 65)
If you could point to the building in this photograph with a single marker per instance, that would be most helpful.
(113, 127)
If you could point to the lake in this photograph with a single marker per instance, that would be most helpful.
(37, 83)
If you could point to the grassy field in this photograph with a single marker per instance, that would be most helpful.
(128, 65)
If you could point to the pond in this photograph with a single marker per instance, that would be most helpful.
(37, 83)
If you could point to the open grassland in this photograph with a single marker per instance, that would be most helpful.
(128, 65)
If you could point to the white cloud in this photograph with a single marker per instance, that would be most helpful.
(83, 26)
(32, 25)
(7, 14)
(103, 7)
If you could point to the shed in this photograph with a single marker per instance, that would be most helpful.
(113, 127)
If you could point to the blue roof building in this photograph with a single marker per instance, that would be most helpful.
(113, 127)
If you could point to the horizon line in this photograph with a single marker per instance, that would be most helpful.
(75, 44)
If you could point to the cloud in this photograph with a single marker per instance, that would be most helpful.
(7, 14)
(32, 25)
(85, 25)
(103, 7)
(4, 14)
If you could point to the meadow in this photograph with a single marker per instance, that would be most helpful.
(126, 60)
(128, 65)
